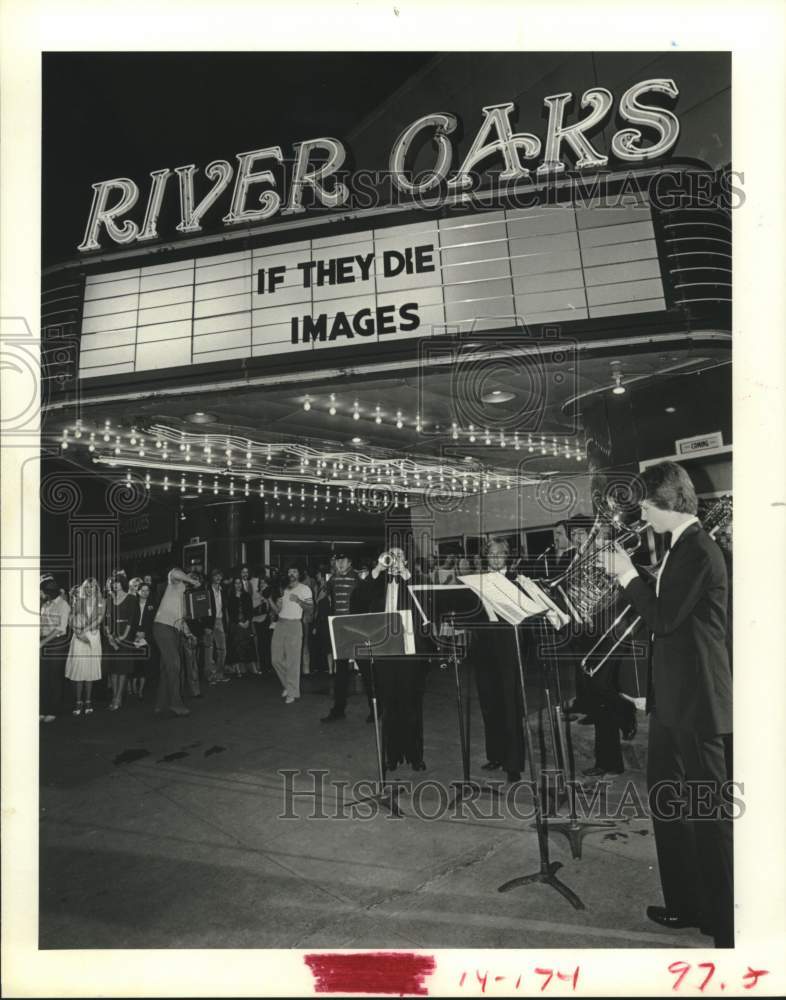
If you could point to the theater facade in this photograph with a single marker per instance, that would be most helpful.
(512, 277)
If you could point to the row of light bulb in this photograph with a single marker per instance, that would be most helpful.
(345, 496)
(471, 433)
(137, 442)
(365, 467)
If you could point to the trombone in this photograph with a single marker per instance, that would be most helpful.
(715, 519)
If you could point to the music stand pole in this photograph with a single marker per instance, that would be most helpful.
(381, 795)
(547, 868)
(466, 787)
(574, 830)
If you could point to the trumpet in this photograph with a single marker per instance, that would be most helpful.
(386, 560)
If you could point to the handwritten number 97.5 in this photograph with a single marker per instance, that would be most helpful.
(681, 970)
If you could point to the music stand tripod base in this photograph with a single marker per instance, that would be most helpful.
(547, 877)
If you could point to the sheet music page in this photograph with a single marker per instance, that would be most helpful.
(506, 599)
(556, 617)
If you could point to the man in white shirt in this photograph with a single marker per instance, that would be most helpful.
(287, 642)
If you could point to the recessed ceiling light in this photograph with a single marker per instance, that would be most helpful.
(357, 440)
(671, 409)
(497, 396)
(200, 417)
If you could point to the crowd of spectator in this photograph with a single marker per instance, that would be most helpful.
(108, 638)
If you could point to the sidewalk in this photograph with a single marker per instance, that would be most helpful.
(166, 834)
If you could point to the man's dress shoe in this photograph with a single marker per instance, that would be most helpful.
(676, 921)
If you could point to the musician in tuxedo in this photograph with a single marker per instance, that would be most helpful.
(400, 682)
(690, 705)
(492, 653)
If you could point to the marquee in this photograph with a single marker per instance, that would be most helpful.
(497, 270)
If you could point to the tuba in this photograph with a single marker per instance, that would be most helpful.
(585, 588)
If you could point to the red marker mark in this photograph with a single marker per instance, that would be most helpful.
(395, 973)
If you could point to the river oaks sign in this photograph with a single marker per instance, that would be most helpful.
(256, 183)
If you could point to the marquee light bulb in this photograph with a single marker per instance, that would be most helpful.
(307, 404)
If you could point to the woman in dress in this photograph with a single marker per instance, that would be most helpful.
(122, 611)
(55, 612)
(83, 665)
(241, 652)
(323, 657)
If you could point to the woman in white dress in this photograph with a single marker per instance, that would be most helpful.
(83, 665)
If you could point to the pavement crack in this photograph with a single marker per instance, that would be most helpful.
(461, 863)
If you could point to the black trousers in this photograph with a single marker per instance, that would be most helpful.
(694, 843)
(340, 687)
(611, 713)
(52, 677)
(400, 684)
(499, 694)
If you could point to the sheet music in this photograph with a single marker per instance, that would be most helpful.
(492, 616)
(555, 615)
(507, 600)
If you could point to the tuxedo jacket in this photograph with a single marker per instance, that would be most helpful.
(371, 595)
(690, 681)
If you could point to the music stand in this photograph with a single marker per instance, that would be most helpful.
(573, 829)
(358, 637)
(516, 610)
(457, 607)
